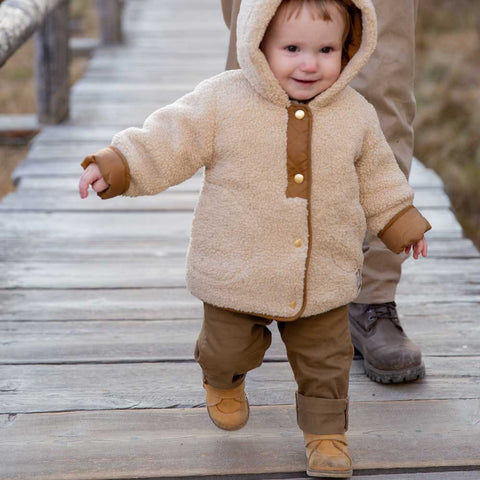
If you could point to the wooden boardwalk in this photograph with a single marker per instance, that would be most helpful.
(97, 377)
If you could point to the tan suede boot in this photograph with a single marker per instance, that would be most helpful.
(228, 409)
(327, 456)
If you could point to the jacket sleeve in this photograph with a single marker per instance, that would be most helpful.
(385, 194)
(174, 142)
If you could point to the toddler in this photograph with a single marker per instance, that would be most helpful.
(296, 169)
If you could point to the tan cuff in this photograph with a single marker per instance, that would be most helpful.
(322, 416)
(405, 228)
(114, 169)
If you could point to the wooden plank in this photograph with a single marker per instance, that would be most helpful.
(68, 200)
(57, 388)
(126, 443)
(41, 250)
(18, 129)
(68, 133)
(461, 276)
(106, 304)
(156, 225)
(70, 184)
(146, 249)
(437, 474)
(32, 201)
(145, 334)
(177, 303)
(84, 225)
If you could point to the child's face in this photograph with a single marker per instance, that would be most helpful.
(304, 54)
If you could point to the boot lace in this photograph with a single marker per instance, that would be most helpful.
(383, 310)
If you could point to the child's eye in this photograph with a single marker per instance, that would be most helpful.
(291, 48)
(326, 49)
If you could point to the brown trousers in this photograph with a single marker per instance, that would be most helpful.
(319, 350)
(387, 83)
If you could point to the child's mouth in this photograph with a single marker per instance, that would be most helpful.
(304, 82)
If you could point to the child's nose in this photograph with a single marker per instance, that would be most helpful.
(309, 64)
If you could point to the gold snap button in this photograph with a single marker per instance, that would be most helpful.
(298, 178)
(299, 114)
(298, 242)
(293, 304)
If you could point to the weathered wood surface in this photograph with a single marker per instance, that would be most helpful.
(171, 336)
(110, 21)
(18, 20)
(56, 388)
(120, 444)
(52, 66)
(18, 129)
(95, 315)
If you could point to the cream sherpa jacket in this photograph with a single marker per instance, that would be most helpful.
(288, 190)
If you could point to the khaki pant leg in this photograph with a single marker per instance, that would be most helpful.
(320, 352)
(387, 83)
(229, 345)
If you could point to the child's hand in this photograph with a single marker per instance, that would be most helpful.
(91, 176)
(418, 248)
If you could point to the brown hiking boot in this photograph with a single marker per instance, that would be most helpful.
(389, 355)
(228, 409)
(327, 456)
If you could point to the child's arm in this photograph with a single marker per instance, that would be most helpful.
(174, 142)
(386, 196)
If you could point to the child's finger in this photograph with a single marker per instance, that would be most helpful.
(83, 186)
(407, 249)
(100, 185)
(425, 248)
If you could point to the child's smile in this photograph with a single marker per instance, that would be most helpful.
(305, 53)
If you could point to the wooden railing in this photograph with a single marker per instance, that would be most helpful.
(49, 20)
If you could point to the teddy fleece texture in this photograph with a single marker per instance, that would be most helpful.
(250, 241)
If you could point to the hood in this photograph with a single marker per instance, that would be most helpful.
(253, 20)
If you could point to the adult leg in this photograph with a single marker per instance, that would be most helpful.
(387, 83)
(230, 10)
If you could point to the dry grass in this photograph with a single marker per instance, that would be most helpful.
(448, 97)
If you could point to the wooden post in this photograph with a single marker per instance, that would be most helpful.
(110, 21)
(52, 60)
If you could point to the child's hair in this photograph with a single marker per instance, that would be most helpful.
(319, 9)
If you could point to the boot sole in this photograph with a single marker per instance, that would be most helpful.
(391, 376)
(329, 474)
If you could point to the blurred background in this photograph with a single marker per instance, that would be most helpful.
(447, 124)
